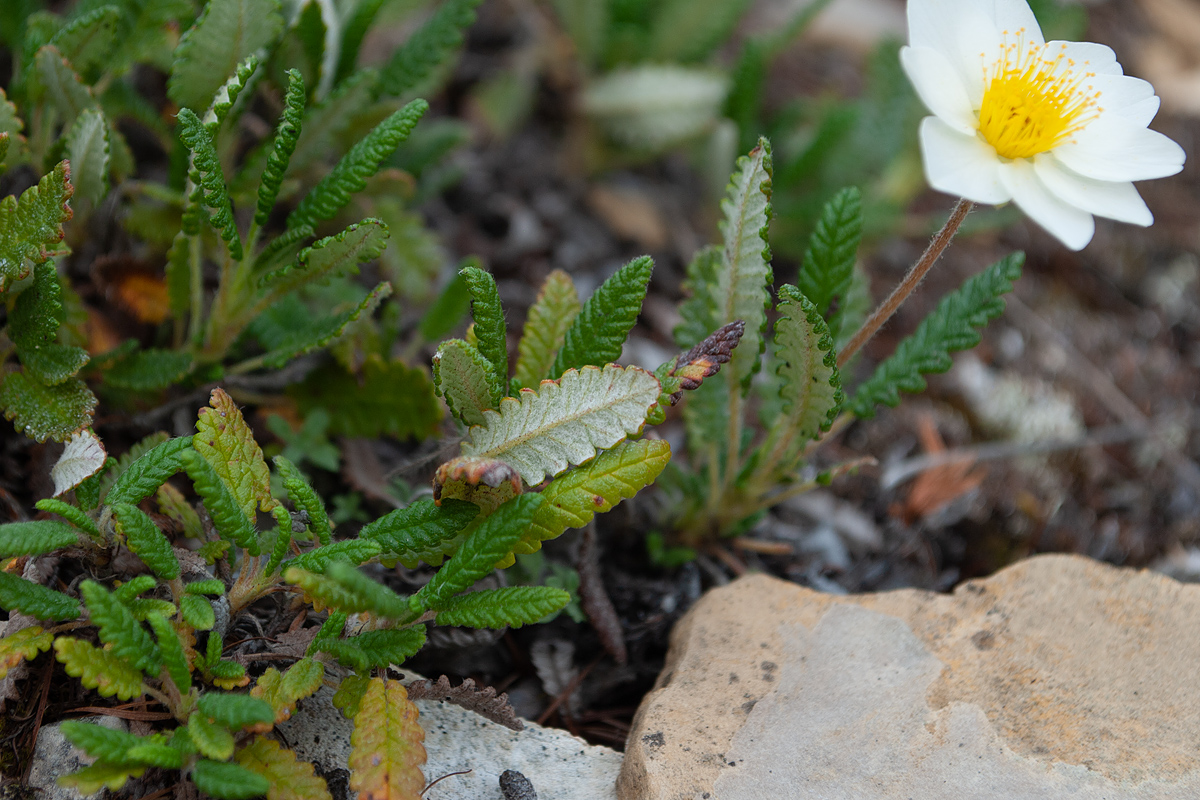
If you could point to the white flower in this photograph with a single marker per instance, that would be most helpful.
(1055, 127)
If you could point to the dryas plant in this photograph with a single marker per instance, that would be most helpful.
(532, 466)
(739, 470)
(238, 270)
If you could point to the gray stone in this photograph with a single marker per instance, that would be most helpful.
(54, 756)
(560, 766)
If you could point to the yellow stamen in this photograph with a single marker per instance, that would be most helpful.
(1035, 99)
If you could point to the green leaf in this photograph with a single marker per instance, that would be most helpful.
(228, 518)
(12, 125)
(173, 655)
(546, 326)
(690, 30)
(350, 174)
(212, 586)
(322, 331)
(480, 551)
(510, 607)
(76, 516)
(87, 147)
(31, 228)
(828, 270)
(199, 139)
(227, 96)
(283, 691)
(18, 594)
(23, 645)
(389, 399)
(428, 48)
(236, 711)
(350, 693)
(284, 247)
(197, 612)
(490, 330)
(417, 533)
(287, 777)
(345, 589)
(700, 311)
(101, 775)
(225, 34)
(810, 385)
(464, 378)
(356, 551)
(149, 370)
(35, 538)
(447, 311)
(40, 411)
(211, 739)
(304, 498)
(99, 742)
(744, 279)
(226, 442)
(119, 629)
(88, 39)
(953, 325)
(146, 541)
(102, 670)
(598, 333)
(126, 592)
(36, 317)
(155, 754)
(375, 649)
(415, 257)
(330, 257)
(286, 136)
(150, 471)
(573, 499)
(66, 89)
(566, 421)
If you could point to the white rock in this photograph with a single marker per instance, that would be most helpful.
(54, 756)
(560, 766)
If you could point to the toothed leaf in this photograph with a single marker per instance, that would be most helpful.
(102, 670)
(18, 594)
(828, 270)
(146, 541)
(417, 532)
(322, 331)
(149, 370)
(227, 96)
(598, 332)
(226, 442)
(428, 48)
(953, 325)
(142, 477)
(88, 151)
(490, 330)
(47, 412)
(35, 538)
(344, 588)
(65, 88)
(304, 498)
(119, 629)
(87, 39)
(810, 385)
(23, 645)
(283, 691)
(197, 612)
(226, 781)
(173, 655)
(286, 136)
(100, 775)
(350, 174)
(565, 422)
(333, 256)
(226, 32)
(464, 378)
(211, 739)
(236, 711)
(356, 551)
(386, 753)
(389, 398)
(73, 514)
(510, 607)
(228, 518)
(31, 227)
(199, 139)
(546, 326)
(287, 777)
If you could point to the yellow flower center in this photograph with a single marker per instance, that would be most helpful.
(1035, 99)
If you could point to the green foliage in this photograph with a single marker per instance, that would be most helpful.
(350, 174)
(320, 332)
(333, 256)
(428, 47)
(101, 743)
(447, 310)
(46, 412)
(31, 228)
(23, 645)
(388, 398)
(171, 648)
(35, 538)
(598, 332)
(375, 649)
(36, 317)
(283, 691)
(99, 669)
(286, 135)
(143, 476)
(228, 519)
(227, 781)
(304, 498)
(953, 325)
(418, 532)
(199, 139)
(828, 270)
(345, 588)
(491, 334)
(480, 552)
(197, 612)
(690, 30)
(465, 379)
(210, 738)
(286, 776)
(550, 316)
(356, 551)
(146, 541)
(76, 516)
(226, 33)
(236, 711)
(510, 607)
(18, 594)
(566, 421)
(150, 370)
(119, 629)
(88, 150)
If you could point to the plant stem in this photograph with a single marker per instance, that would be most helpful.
(888, 307)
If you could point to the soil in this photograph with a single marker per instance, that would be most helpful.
(1111, 335)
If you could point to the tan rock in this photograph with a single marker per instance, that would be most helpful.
(1058, 677)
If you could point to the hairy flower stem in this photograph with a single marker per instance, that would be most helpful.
(914, 277)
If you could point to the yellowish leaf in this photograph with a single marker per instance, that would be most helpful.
(226, 442)
(25, 643)
(386, 750)
(290, 778)
(283, 690)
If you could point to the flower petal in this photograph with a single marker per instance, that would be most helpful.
(1072, 226)
(959, 164)
(939, 87)
(1119, 201)
(1011, 17)
(962, 32)
(1114, 148)
(1086, 56)
(1119, 92)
